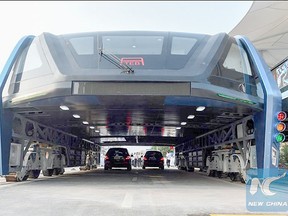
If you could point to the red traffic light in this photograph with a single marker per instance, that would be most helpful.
(281, 116)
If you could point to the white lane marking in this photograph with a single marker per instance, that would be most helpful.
(128, 200)
(134, 179)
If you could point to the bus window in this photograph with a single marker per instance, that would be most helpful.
(181, 45)
(234, 71)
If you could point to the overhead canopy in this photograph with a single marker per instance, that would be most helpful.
(266, 25)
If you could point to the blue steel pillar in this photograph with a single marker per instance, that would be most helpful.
(266, 120)
(6, 115)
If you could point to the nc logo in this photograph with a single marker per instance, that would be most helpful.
(255, 182)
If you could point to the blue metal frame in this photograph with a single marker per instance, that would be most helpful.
(5, 115)
(266, 120)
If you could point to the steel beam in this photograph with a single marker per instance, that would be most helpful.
(26, 129)
(218, 137)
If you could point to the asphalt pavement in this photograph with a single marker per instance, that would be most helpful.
(149, 192)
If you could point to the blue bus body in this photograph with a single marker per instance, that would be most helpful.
(139, 87)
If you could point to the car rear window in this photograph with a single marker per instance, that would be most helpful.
(120, 152)
(153, 154)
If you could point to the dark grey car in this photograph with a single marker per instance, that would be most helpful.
(153, 159)
(117, 157)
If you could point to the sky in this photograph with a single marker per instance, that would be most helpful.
(22, 18)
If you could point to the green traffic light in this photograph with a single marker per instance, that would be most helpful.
(280, 137)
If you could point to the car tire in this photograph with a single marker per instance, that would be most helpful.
(48, 172)
(129, 168)
(143, 167)
(161, 167)
(106, 168)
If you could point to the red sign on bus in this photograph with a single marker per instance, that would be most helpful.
(136, 61)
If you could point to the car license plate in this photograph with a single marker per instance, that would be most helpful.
(117, 157)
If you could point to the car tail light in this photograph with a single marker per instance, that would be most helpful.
(162, 159)
(128, 158)
(144, 158)
(106, 157)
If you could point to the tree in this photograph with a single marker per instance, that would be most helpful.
(284, 155)
(162, 149)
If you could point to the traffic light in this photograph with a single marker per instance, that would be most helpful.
(281, 127)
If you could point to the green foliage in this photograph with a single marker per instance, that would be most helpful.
(284, 155)
(162, 149)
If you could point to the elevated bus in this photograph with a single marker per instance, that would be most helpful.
(209, 96)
